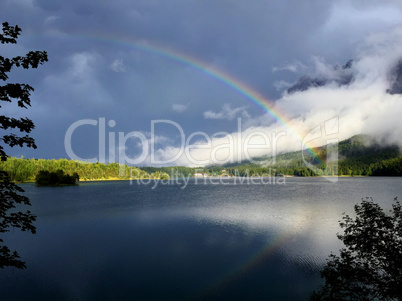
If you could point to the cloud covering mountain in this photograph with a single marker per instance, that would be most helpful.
(362, 97)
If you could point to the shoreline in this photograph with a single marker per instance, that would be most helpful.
(285, 176)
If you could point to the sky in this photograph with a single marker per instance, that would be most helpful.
(194, 83)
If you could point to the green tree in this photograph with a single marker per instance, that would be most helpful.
(19, 93)
(370, 265)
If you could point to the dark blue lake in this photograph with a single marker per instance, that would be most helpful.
(175, 241)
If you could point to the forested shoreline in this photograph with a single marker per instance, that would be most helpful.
(355, 158)
(25, 170)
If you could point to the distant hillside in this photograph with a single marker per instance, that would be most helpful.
(356, 156)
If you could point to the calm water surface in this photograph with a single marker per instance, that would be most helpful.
(116, 241)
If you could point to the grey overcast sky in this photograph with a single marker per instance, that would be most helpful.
(137, 61)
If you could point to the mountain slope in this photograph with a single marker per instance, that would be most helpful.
(358, 155)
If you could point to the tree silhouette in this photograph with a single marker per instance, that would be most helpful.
(370, 266)
(46, 178)
(9, 192)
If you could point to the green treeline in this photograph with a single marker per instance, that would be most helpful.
(25, 170)
(355, 158)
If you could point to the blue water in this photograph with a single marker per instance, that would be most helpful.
(182, 241)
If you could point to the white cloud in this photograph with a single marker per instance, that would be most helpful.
(295, 67)
(226, 113)
(81, 64)
(281, 85)
(179, 108)
(118, 66)
(213, 115)
(50, 20)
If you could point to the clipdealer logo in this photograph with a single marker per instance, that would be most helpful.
(235, 147)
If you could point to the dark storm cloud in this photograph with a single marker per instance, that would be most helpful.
(236, 35)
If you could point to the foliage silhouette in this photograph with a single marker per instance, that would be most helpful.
(9, 197)
(370, 266)
(9, 192)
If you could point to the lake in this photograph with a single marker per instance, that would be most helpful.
(171, 240)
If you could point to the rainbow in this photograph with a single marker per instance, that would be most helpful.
(233, 83)
(244, 267)
(252, 96)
